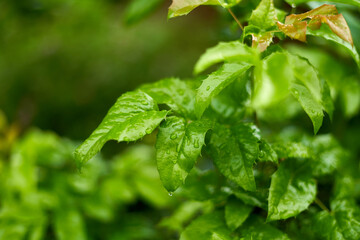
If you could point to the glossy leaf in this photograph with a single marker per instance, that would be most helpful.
(178, 146)
(264, 16)
(292, 190)
(216, 82)
(295, 31)
(236, 212)
(134, 115)
(226, 51)
(208, 226)
(178, 95)
(234, 151)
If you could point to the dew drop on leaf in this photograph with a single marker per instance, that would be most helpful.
(196, 144)
(207, 88)
(170, 194)
(173, 136)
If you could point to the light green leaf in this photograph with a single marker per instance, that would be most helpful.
(234, 151)
(264, 16)
(178, 95)
(139, 9)
(236, 212)
(227, 51)
(183, 7)
(134, 115)
(178, 146)
(272, 80)
(208, 226)
(255, 228)
(292, 190)
(325, 32)
(216, 82)
(292, 150)
(351, 2)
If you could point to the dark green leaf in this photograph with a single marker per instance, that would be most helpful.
(178, 146)
(234, 151)
(134, 115)
(178, 95)
(292, 190)
(216, 82)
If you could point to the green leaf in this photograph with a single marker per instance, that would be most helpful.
(139, 9)
(183, 7)
(267, 153)
(325, 226)
(208, 226)
(256, 199)
(178, 146)
(272, 80)
(178, 95)
(134, 115)
(347, 215)
(325, 32)
(227, 51)
(292, 150)
(234, 151)
(292, 190)
(256, 228)
(264, 16)
(216, 82)
(351, 2)
(236, 212)
(309, 90)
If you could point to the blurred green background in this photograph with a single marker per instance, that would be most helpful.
(63, 63)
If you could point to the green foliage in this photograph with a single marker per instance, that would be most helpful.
(264, 146)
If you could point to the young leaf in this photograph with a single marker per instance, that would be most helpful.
(208, 226)
(134, 115)
(183, 7)
(178, 95)
(236, 212)
(264, 16)
(178, 146)
(227, 51)
(216, 82)
(292, 190)
(234, 151)
(295, 31)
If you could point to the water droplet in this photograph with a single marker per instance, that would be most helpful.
(261, 154)
(168, 152)
(293, 5)
(296, 92)
(170, 194)
(144, 103)
(148, 131)
(207, 88)
(196, 144)
(173, 136)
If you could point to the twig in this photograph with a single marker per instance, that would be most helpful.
(321, 205)
(236, 20)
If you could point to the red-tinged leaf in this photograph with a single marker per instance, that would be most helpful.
(325, 9)
(261, 41)
(338, 25)
(295, 31)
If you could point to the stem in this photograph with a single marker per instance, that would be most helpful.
(236, 20)
(321, 205)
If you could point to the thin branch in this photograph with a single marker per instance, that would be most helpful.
(321, 205)
(236, 20)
